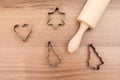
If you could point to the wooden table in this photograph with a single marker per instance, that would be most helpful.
(27, 61)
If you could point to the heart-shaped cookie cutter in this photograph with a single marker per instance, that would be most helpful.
(24, 25)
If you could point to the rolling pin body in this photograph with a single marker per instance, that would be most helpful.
(88, 18)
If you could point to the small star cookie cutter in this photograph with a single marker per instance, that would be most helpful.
(55, 25)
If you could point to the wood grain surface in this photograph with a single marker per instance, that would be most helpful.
(27, 61)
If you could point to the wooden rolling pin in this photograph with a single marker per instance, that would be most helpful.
(88, 18)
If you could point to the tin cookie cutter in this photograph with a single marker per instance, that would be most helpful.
(53, 59)
(23, 31)
(94, 60)
(56, 18)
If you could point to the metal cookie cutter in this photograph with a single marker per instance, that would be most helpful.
(52, 58)
(92, 50)
(27, 32)
(54, 21)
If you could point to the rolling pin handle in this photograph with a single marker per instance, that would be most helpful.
(76, 40)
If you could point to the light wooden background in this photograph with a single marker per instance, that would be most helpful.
(27, 61)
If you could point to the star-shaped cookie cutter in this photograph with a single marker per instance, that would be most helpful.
(52, 24)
